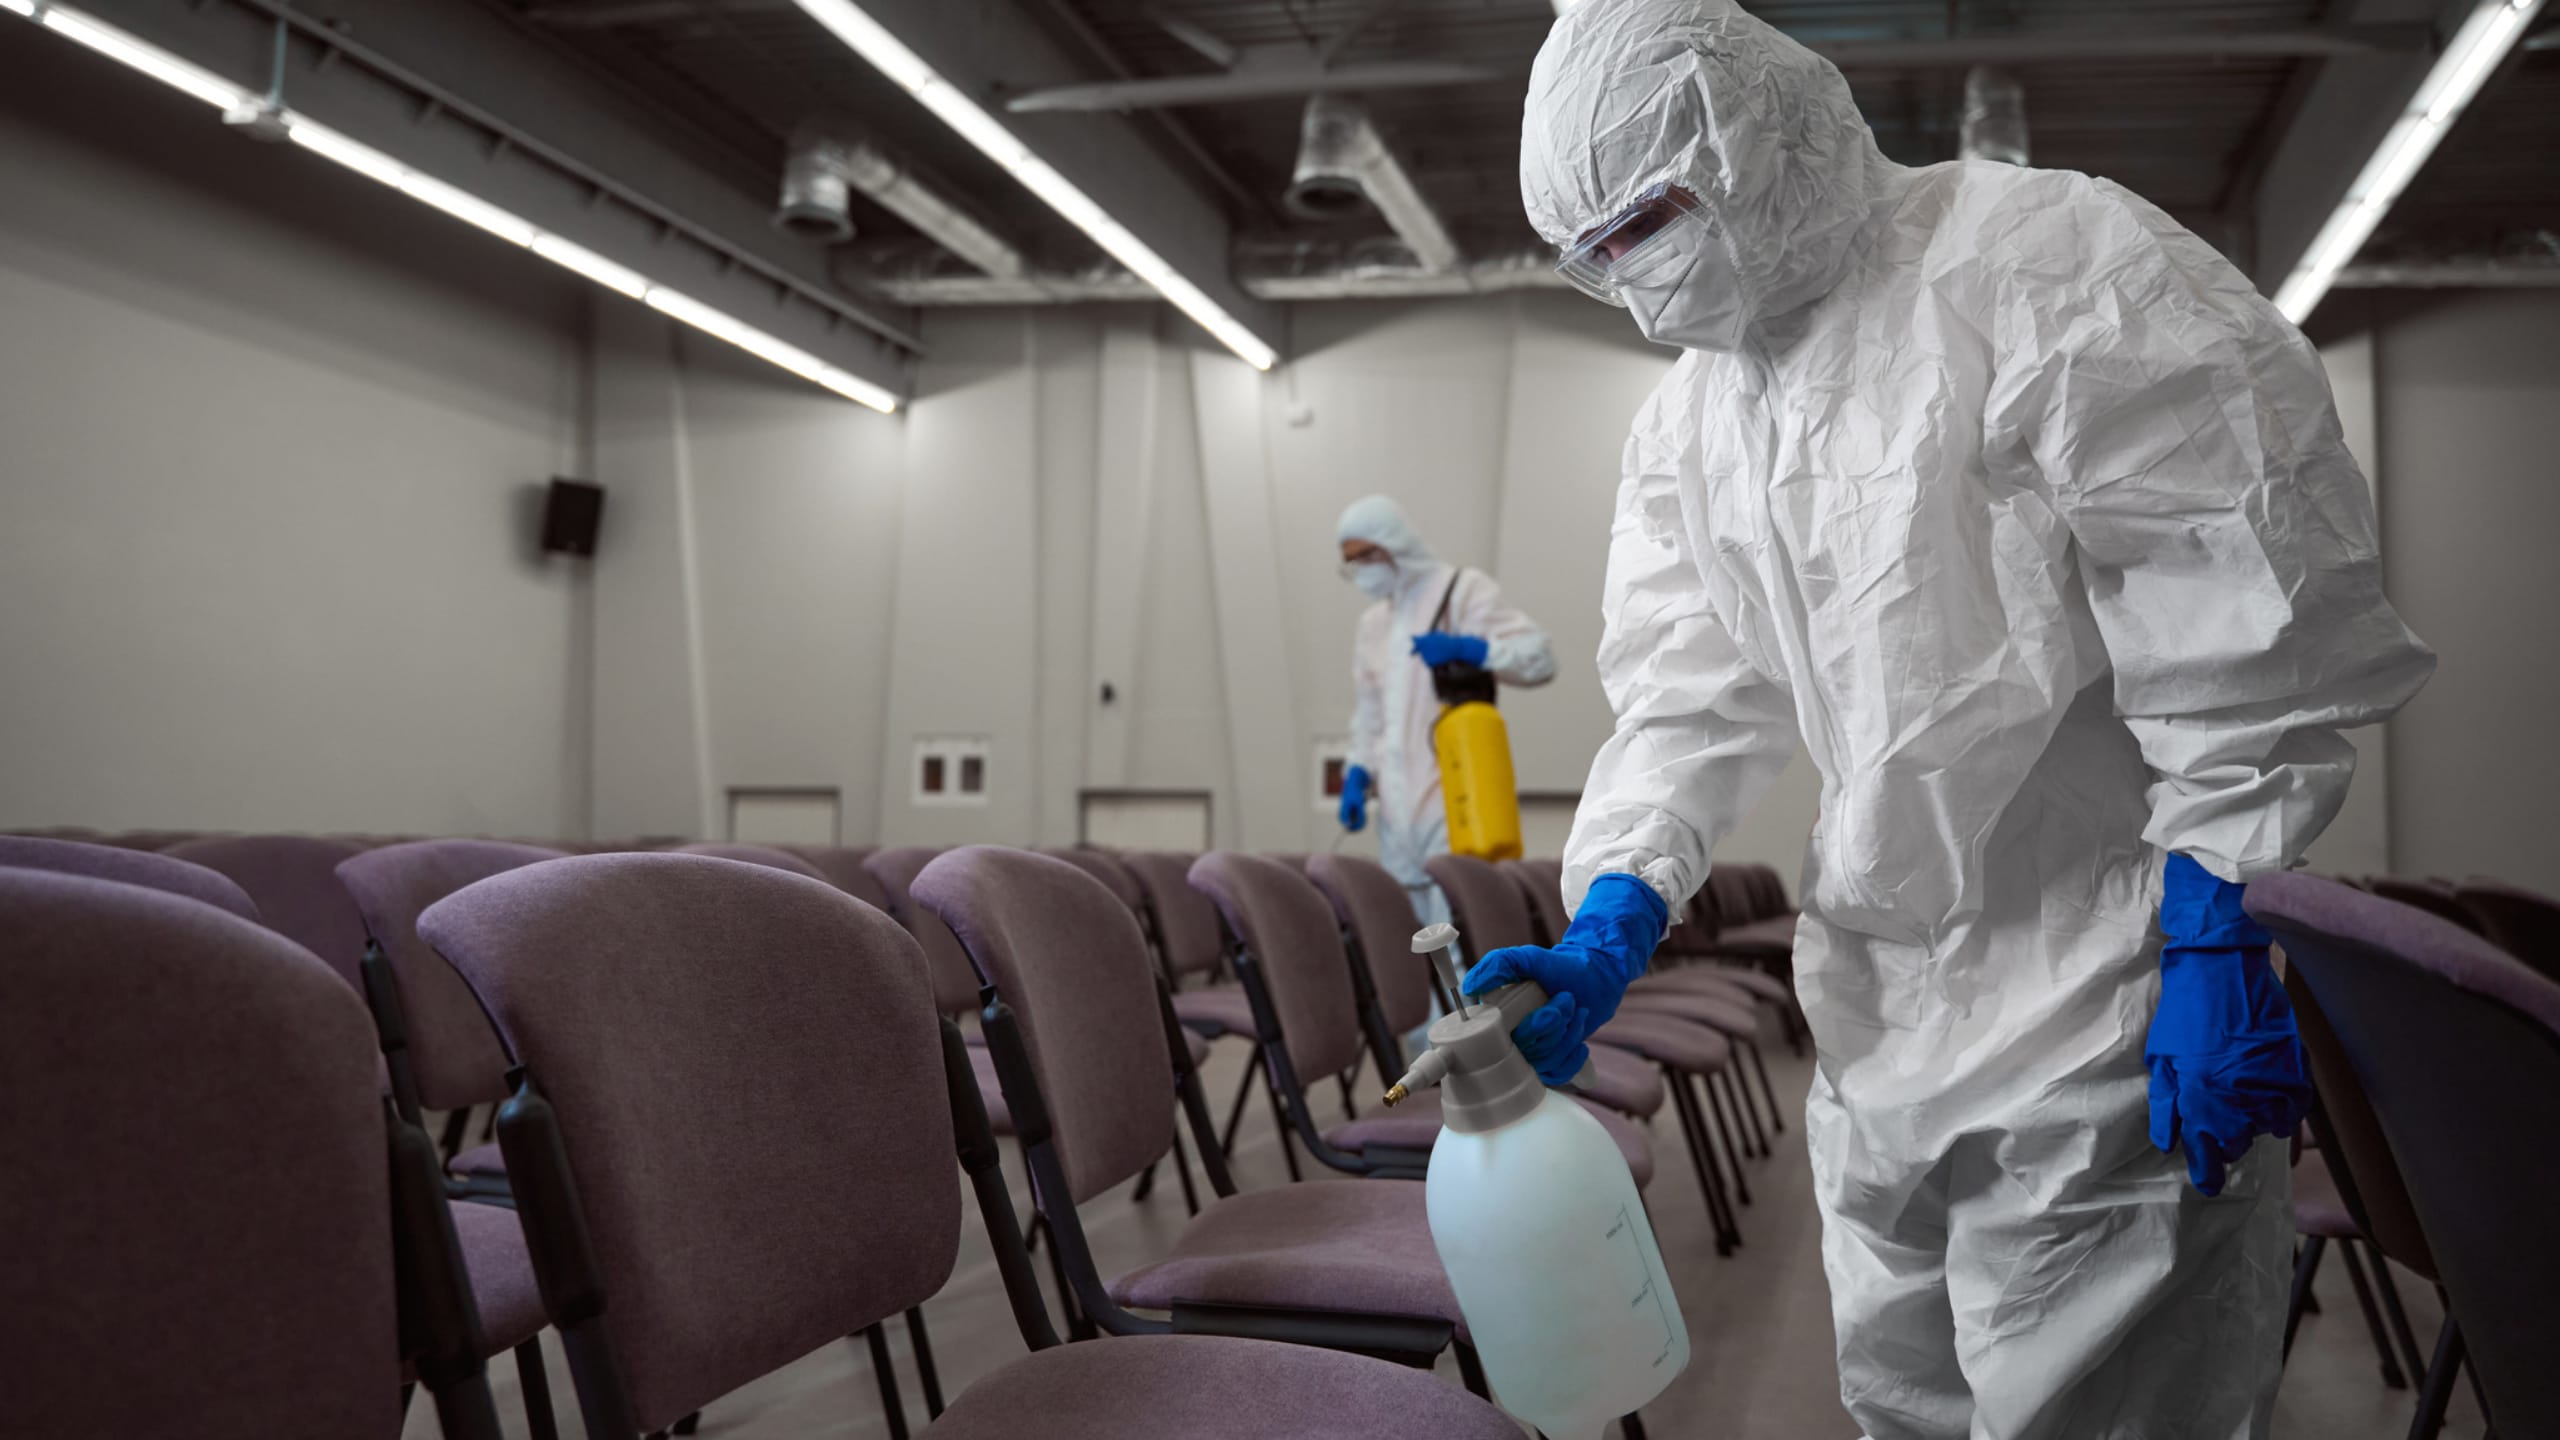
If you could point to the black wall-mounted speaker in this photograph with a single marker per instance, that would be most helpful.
(570, 514)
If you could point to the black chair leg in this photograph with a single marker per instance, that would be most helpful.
(1709, 1188)
(2413, 1361)
(687, 1425)
(926, 1376)
(457, 1127)
(1350, 1111)
(1182, 1172)
(1717, 1101)
(1630, 1427)
(1740, 1081)
(536, 1383)
(1235, 1112)
(2437, 1393)
(1280, 1122)
(1078, 1327)
(887, 1374)
(1146, 1184)
(2382, 1347)
(1471, 1370)
(2306, 1263)
(1768, 1092)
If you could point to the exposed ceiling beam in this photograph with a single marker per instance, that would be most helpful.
(455, 93)
(2331, 127)
(960, 58)
(2154, 43)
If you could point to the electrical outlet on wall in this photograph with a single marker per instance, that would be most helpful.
(951, 770)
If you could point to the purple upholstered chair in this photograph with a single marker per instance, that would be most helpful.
(442, 1051)
(1106, 868)
(1184, 924)
(2516, 920)
(842, 865)
(1093, 1069)
(955, 985)
(1491, 914)
(2457, 1046)
(131, 867)
(209, 1246)
(2433, 896)
(765, 855)
(1541, 881)
(294, 881)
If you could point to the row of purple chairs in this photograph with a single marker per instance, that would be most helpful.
(683, 1220)
(2524, 923)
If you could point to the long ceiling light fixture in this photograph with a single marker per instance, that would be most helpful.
(888, 54)
(363, 159)
(2466, 64)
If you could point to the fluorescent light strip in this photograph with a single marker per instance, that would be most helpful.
(320, 140)
(872, 41)
(2484, 40)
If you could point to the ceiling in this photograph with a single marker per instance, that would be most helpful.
(2188, 131)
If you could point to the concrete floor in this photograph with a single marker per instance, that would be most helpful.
(1759, 1322)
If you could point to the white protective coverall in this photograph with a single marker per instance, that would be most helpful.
(1394, 707)
(2035, 521)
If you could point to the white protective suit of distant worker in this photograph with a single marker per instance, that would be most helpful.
(1394, 706)
(2019, 505)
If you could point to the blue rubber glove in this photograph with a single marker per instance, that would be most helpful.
(1605, 948)
(1440, 647)
(1354, 810)
(2226, 1064)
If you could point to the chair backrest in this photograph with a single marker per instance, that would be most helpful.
(2518, 921)
(1070, 962)
(1296, 943)
(2434, 897)
(1728, 891)
(2457, 1044)
(1186, 923)
(1106, 869)
(842, 864)
(199, 1223)
(454, 1054)
(747, 1072)
(294, 881)
(1767, 891)
(764, 855)
(1489, 911)
(130, 867)
(1545, 894)
(1374, 907)
(955, 984)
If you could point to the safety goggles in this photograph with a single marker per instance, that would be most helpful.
(1620, 252)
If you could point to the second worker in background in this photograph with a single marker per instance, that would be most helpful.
(1427, 613)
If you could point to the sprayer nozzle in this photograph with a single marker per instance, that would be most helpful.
(1396, 1093)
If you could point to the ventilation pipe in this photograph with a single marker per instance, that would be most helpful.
(1995, 117)
(828, 160)
(1379, 269)
(1343, 162)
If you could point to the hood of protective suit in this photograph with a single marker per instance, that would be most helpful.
(1628, 94)
(1379, 521)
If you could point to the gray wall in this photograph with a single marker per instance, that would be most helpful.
(2469, 422)
(265, 441)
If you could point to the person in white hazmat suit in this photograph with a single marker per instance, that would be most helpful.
(2019, 505)
(1425, 611)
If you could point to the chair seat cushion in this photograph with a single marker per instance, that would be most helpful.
(1625, 1082)
(2318, 1208)
(1758, 984)
(501, 1274)
(478, 1160)
(1210, 1385)
(1727, 1014)
(1361, 1246)
(1223, 1010)
(1771, 935)
(1415, 1125)
(1681, 1044)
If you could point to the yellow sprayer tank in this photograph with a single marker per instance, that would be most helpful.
(1476, 786)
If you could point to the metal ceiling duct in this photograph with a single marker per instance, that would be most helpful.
(1343, 161)
(1267, 270)
(828, 158)
(1995, 117)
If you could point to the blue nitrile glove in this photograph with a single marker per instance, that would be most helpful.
(2226, 1064)
(1440, 647)
(1354, 810)
(1603, 950)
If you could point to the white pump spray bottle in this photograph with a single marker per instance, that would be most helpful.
(1537, 1222)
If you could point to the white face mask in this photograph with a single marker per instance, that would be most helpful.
(1691, 298)
(1376, 579)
